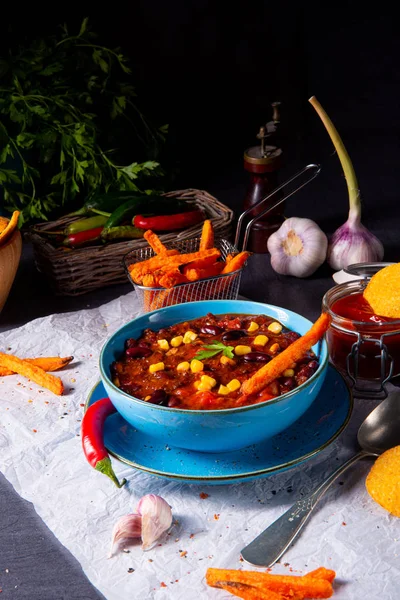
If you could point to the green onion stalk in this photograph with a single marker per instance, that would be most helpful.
(352, 242)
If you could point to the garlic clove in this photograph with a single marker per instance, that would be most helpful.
(127, 527)
(156, 518)
(298, 247)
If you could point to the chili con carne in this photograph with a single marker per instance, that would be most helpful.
(201, 364)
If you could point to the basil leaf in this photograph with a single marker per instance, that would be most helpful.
(211, 350)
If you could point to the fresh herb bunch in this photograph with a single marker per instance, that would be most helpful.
(68, 122)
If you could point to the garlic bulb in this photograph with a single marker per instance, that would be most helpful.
(298, 247)
(152, 518)
(156, 518)
(352, 242)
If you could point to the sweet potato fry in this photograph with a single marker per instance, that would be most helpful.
(249, 592)
(148, 299)
(211, 271)
(11, 226)
(322, 573)
(207, 236)
(47, 363)
(155, 242)
(161, 299)
(236, 262)
(137, 270)
(36, 374)
(285, 585)
(282, 361)
(171, 278)
(201, 263)
(149, 280)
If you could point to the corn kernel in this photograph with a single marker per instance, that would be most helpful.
(176, 341)
(288, 373)
(233, 385)
(225, 360)
(183, 366)
(274, 348)
(189, 337)
(203, 387)
(223, 390)
(293, 366)
(242, 350)
(163, 344)
(260, 340)
(208, 380)
(147, 398)
(275, 327)
(196, 366)
(156, 367)
(253, 327)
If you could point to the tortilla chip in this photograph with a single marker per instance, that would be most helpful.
(383, 292)
(383, 481)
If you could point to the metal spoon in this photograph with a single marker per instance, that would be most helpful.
(379, 432)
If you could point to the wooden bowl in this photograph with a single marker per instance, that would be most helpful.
(10, 254)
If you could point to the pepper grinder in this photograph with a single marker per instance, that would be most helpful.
(263, 162)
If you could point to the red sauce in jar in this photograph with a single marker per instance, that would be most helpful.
(357, 316)
(356, 308)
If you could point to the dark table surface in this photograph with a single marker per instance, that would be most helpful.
(33, 564)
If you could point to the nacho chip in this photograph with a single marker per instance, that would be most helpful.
(383, 292)
(383, 481)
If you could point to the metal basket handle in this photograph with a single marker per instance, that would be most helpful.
(315, 171)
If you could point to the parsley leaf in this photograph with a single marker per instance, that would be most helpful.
(211, 350)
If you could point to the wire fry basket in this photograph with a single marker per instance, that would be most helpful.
(220, 287)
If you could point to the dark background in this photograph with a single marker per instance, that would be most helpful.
(211, 69)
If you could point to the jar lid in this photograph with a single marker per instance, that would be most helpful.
(366, 269)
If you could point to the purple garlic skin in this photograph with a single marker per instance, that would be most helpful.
(353, 243)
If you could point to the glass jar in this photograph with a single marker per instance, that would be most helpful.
(367, 352)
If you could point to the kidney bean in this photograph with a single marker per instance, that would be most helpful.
(159, 397)
(143, 344)
(211, 330)
(313, 365)
(304, 373)
(257, 357)
(233, 334)
(287, 384)
(137, 352)
(130, 343)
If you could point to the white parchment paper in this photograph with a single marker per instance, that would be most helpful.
(40, 450)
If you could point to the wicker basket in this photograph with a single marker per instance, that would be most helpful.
(75, 272)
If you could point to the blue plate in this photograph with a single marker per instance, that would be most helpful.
(312, 433)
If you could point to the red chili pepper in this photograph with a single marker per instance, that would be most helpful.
(92, 438)
(80, 238)
(169, 222)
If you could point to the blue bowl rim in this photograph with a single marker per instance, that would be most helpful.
(221, 411)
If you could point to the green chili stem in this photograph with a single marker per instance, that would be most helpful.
(351, 179)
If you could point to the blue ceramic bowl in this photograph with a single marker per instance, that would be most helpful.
(210, 430)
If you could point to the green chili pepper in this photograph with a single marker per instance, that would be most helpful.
(127, 232)
(85, 224)
(106, 203)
